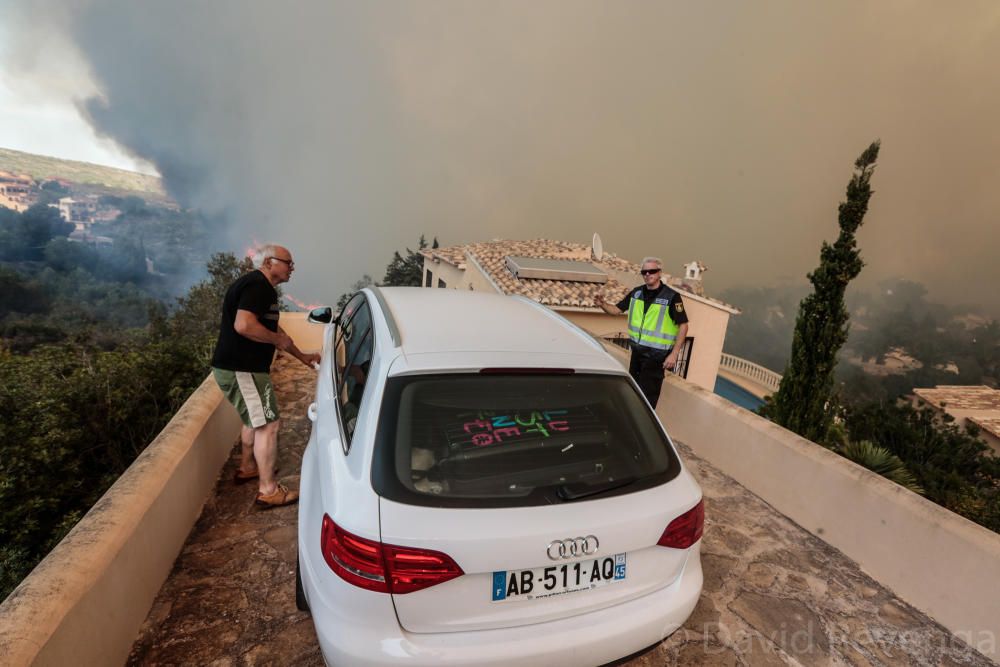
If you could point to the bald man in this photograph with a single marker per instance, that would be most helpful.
(242, 367)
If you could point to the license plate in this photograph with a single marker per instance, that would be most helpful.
(546, 582)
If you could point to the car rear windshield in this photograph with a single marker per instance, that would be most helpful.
(515, 440)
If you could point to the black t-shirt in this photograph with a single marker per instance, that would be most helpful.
(234, 352)
(675, 308)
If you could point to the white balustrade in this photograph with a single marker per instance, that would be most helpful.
(747, 369)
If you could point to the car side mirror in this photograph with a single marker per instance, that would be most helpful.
(322, 315)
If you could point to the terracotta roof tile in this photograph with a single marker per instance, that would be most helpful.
(454, 255)
(491, 255)
(989, 424)
(961, 397)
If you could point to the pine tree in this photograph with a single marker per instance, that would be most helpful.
(407, 271)
(804, 402)
(400, 272)
(365, 281)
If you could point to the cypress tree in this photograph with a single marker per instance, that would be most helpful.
(804, 402)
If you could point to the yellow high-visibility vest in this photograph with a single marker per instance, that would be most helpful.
(652, 327)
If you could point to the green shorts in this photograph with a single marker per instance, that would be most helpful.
(251, 393)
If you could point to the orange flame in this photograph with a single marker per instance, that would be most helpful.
(301, 304)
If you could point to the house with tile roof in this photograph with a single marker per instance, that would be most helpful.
(16, 191)
(567, 277)
(978, 405)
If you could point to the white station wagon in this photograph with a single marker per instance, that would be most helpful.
(485, 485)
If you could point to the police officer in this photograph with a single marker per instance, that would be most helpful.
(657, 327)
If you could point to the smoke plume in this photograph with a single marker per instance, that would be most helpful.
(723, 132)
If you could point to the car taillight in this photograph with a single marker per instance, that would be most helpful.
(686, 529)
(414, 569)
(380, 567)
(356, 560)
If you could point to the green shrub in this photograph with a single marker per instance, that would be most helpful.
(954, 469)
(880, 460)
(74, 419)
(78, 412)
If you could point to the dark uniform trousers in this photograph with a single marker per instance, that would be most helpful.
(646, 367)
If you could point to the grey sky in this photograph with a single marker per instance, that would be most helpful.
(716, 131)
(38, 111)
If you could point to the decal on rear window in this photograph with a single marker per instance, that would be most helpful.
(487, 428)
(473, 440)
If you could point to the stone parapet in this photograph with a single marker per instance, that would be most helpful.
(85, 602)
(938, 561)
(308, 337)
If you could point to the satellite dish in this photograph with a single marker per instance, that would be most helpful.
(597, 247)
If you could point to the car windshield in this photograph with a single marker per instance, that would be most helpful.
(509, 440)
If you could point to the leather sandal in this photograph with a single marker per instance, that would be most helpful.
(281, 496)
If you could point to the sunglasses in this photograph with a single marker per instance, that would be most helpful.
(289, 262)
(649, 272)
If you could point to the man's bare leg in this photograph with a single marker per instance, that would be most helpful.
(265, 450)
(247, 464)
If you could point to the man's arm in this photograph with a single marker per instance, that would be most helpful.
(292, 349)
(671, 361)
(248, 326)
(605, 306)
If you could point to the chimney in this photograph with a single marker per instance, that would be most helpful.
(692, 277)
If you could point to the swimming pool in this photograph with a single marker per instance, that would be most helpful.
(737, 395)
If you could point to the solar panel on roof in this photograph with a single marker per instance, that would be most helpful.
(555, 269)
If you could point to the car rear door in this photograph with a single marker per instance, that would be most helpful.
(550, 492)
(508, 559)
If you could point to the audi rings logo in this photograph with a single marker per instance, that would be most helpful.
(573, 547)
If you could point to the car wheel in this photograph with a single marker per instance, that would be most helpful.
(300, 595)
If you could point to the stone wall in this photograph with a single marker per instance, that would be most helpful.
(938, 561)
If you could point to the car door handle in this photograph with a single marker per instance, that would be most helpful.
(312, 411)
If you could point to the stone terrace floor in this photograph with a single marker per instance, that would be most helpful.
(773, 595)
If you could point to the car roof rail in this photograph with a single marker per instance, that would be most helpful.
(390, 321)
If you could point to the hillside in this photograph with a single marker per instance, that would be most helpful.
(41, 167)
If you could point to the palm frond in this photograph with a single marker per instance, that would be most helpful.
(880, 460)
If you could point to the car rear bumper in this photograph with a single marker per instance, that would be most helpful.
(368, 633)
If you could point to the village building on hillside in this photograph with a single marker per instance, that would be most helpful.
(83, 211)
(17, 191)
(79, 211)
(567, 277)
(967, 404)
